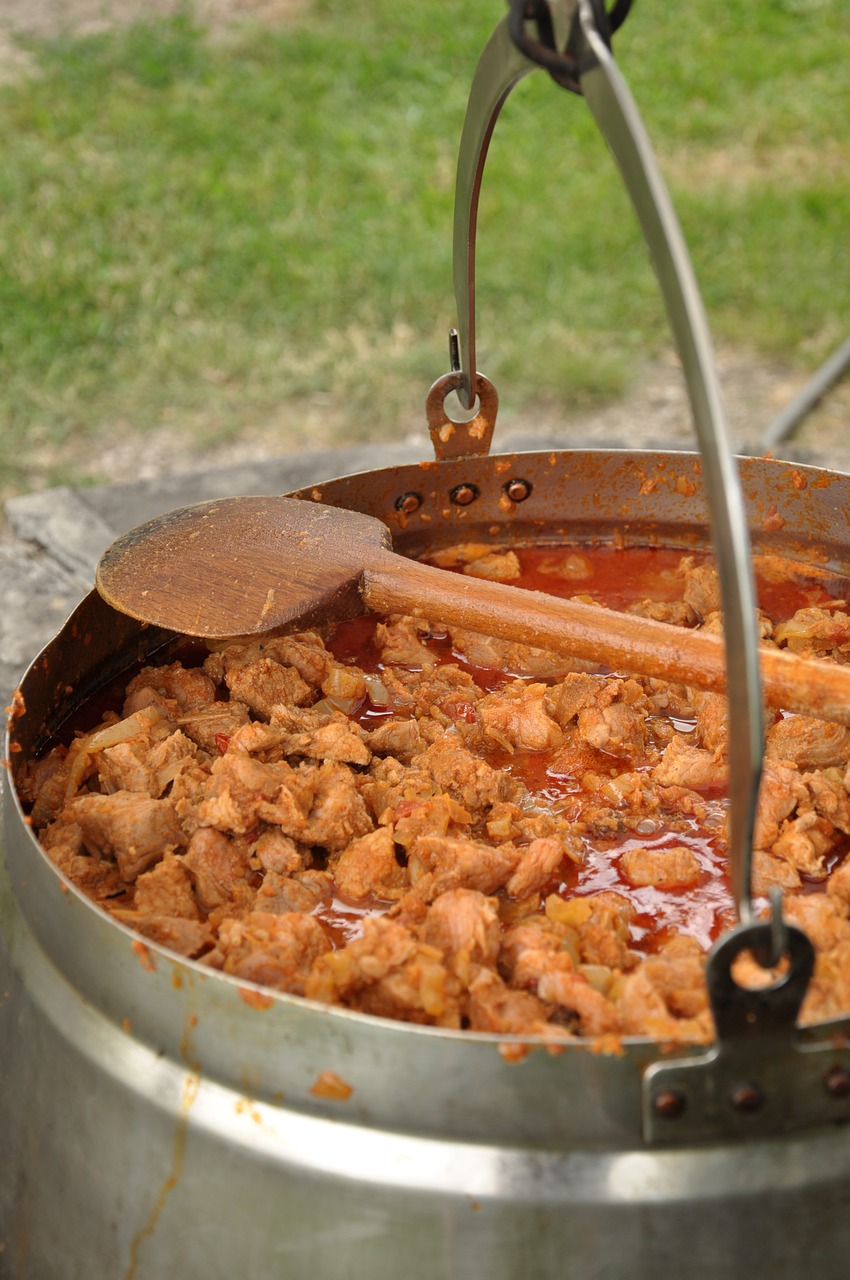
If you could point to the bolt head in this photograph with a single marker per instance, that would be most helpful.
(669, 1104)
(463, 494)
(408, 503)
(747, 1098)
(517, 490)
(837, 1082)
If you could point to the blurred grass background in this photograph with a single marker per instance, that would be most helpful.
(205, 231)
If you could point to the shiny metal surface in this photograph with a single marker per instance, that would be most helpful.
(500, 67)
(594, 73)
(614, 110)
(161, 1121)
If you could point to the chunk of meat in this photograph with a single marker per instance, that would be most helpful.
(125, 767)
(399, 738)
(389, 973)
(603, 922)
(463, 921)
(804, 841)
(166, 890)
(817, 632)
(36, 773)
(211, 726)
(828, 797)
(305, 892)
(527, 944)
(677, 973)
(61, 784)
(673, 867)
(448, 688)
(643, 1011)
(188, 687)
(808, 743)
(304, 651)
(435, 816)
(368, 868)
(596, 1015)
(275, 950)
(400, 640)
(218, 867)
(462, 864)
(599, 927)
(576, 691)
(187, 937)
(676, 613)
(712, 720)
(824, 917)
(768, 871)
(276, 852)
(702, 587)
(242, 791)
(475, 784)
(512, 657)
(492, 1006)
(135, 830)
(685, 766)
(62, 841)
(517, 717)
(828, 993)
(617, 729)
(781, 790)
(839, 881)
(340, 740)
(264, 683)
(497, 566)
(168, 757)
(537, 864)
(338, 813)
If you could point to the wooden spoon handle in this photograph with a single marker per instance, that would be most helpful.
(622, 641)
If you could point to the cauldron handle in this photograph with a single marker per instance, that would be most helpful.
(614, 110)
(572, 42)
(763, 1076)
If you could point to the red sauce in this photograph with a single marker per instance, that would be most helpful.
(616, 578)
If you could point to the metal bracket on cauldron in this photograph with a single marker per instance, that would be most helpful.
(761, 1078)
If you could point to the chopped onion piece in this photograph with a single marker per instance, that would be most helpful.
(344, 683)
(120, 732)
(344, 704)
(378, 691)
(599, 976)
(169, 772)
(325, 707)
(79, 758)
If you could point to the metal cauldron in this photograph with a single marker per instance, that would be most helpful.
(161, 1120)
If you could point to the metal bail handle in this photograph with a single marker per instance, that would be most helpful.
(564, 36)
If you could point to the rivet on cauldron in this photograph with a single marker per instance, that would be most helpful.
(747, 1097)
(837, 1082)
(462, 494)
(517, 490)
(670, 1103)
(408, 503)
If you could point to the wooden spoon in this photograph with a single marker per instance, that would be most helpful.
(251, 566)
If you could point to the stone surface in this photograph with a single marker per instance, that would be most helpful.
(37, 596)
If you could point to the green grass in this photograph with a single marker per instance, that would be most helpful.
(207, 234)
